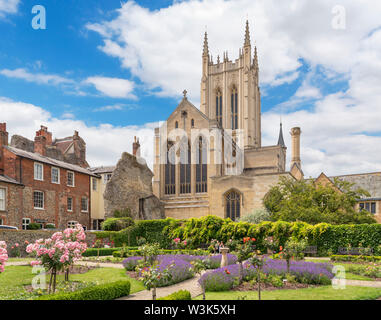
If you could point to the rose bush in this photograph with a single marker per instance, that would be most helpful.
(3, 255)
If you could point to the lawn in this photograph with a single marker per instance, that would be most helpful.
(320, 293)
(14, 278)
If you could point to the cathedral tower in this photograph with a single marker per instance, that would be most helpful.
(230, 91)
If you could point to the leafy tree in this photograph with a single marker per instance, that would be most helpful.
(257, 216)
(292, 200)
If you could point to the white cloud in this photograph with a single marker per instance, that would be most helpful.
(39, 78)
(8, 7)
(113, 87)
(109, 108)
(105, 143)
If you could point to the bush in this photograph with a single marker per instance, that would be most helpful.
(257, 216)
(126, 213)
(179, 295)
(117, 224)
(50, 226)
(34, 226)
(93, 252)
(356, 258)
(109, 291)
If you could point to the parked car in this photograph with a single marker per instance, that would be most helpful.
(8, 227)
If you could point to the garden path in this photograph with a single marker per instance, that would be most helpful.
(362, 283)
(100, 264)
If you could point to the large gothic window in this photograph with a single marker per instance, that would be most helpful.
(185, 167)
(234, 109)
(219, 107)
(233, 205)
(170, 171)
(201, 167)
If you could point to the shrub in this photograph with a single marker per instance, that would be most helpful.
(34, 226)
(257, 216)
(179, 295)
(50, 226)
(131, 263)
(355, 258)
(92, 252)
(109, 291)
(125, 213)
(117, 224)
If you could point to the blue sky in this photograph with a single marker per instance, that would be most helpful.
(113, 69)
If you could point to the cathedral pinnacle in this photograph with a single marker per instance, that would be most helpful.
(206, 47)
(281, 140)
(247, 34)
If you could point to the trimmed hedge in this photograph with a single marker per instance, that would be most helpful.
(108, 291)
(355, 258)
(179, 295)
(200, 231)
(118, 254)
(93, 252)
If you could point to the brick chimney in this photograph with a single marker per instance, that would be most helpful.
(45, 133)
(3, 142)
(295, 147)
(136, 148)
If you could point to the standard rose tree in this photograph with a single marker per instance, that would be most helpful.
(3, 255)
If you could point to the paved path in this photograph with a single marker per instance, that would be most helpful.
(100, 264)
(18, 263)
(191, 285)
(362, 283)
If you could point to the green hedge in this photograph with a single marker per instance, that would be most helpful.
(93, 252)
(118, 254)
(200, 231)
(352, 258)
(109, 291)
(179, 295)
(117, 224)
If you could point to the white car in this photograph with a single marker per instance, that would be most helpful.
(8, 227)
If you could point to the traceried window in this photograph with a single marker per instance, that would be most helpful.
(2, 199)
(38, 171)
(170, 171)
(234, 109)
(233, 205)
(219, 107)
(38, 199)
(185, 167)
(70, 179)
(201, 167)
(55, 175)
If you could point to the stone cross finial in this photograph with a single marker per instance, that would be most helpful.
(185, 93)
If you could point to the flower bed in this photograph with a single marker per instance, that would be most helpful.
(223, 279)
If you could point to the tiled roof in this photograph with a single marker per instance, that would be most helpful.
(99, 170)
(51, 161)
(8, 180)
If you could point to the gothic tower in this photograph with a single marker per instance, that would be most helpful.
(230, 91)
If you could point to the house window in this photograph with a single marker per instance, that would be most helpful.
(55, 175)
(201, 167)
(84, 204)
(1, 221)
(107, 177)
(176, 125)
(69, 204)
(192, 123)
(362, 206)
(170, 171)
(71, 224)
(97, 224)
(2, 199)
(38, 200)
(219, 107)
(70, 179)
(373, 208)
(234, 109)
(25, 223)
(95, 184)
(38, 171)
(233, 205)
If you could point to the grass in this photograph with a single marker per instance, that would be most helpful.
(13, 280)
(320, 293)
(20, 260)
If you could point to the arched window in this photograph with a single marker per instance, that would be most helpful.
(219, 107)
(185, 167)
(234, 109)
(170, 171)
(201, 167)
(233, 205)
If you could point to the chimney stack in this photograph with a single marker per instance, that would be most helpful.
(3, 134)
(295, 147)
(136, 148)
(43, 132)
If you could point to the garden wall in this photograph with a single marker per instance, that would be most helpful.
(20, 236)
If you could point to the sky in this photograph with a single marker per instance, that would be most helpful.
(113, 70)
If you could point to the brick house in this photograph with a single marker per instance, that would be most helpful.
(45, 183)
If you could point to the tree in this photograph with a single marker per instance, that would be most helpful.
(292, 200)
(257, 216)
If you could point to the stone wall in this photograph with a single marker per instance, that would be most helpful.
(20, 236)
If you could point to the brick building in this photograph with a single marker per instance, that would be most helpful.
(44, 181)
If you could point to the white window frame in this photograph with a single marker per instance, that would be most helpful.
(36, 164)
(71, 224)
(72, 204)
(67, 176)
(3, 201)
(87, 204)
(43, 200)
(25, 223)
(59, 175)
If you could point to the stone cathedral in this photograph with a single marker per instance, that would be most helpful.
(210, 161)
